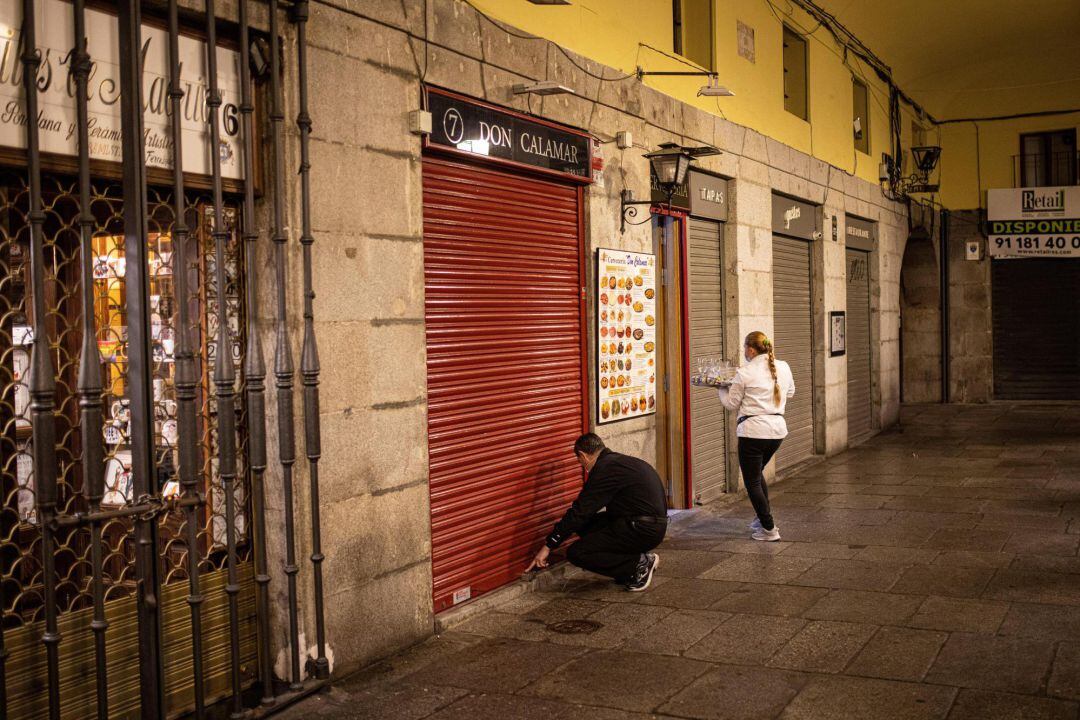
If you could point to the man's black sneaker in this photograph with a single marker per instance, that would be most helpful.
(643, 577)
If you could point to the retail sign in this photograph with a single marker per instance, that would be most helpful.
(626, 335)
(56, 118)
(860, 234)
(794, 218)
(477, 128)
(1034, 222)
(708, 196)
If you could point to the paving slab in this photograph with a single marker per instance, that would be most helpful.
(896, 555)
(865, 607)
(676, 632)
(850, 575)
(746, 639)
(731, 692)
(619, 679)
(974, 558)
(688, 563)
(823, 646)
(959, 614)
(983, 705)
(1019, 665)
(943, 580)
(1053, 622)
(1065, 676)
(854, 698)
(834, 551)
(1042, 543)
(896, 653)
(760, 599)
(954, 539)
(760, 568)
(500, 665)
(686, 593)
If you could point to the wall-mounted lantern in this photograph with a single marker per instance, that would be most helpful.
(669, 165)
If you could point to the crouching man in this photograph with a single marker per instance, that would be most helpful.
(617, 541)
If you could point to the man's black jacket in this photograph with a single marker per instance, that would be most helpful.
(626, 486)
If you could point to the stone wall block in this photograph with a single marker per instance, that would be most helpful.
(350, 192)
(449, 69)
(350, 285)
(389, 622)
(729, 136)
(342, 90)
(372, 451)
(375, 534)
(458, 27)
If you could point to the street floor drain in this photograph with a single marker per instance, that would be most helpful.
(574, 627)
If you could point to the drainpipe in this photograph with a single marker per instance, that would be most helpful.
(944, 264)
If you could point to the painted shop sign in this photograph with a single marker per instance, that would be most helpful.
(476, 128)
(626, 335)
(57, 114)
(708, 196)
(1034, 222)
(860, 234)
(794, 218)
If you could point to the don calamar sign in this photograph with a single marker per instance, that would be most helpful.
(56, 87)
(477, 128)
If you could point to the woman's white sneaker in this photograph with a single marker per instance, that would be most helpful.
(755, 525)
(767, 535)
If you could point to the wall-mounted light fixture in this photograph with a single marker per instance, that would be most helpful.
(544, 87)
(711, 88)
(670, 166)
(550, 2)
(926, 159)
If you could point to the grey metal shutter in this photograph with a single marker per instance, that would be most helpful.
(1036, 304)
(793, 335)
(858, 345)
(708, 424)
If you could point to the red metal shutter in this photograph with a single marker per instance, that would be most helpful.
(503, 277)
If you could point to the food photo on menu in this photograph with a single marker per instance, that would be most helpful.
(626, 335)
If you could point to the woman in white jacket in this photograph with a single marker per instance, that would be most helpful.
(759, 392)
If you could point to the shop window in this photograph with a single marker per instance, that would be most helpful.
(860, 116)
(693, 25)
(19, 561)
(796, 94)
(1048, 158)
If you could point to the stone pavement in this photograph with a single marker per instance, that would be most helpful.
(930, 573)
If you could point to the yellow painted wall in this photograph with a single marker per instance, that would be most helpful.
(964, 171)
(626, 34)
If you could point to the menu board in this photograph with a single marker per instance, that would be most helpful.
(626, 335)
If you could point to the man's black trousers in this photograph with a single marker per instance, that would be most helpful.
(754, 455)
(613, 546)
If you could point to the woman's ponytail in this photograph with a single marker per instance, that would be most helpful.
(761, 344)
(772, 368)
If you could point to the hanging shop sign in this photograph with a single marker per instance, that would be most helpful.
(477, 128)
(860, 234)
(793, 218)
(56, 118)
(1034, 222)
(626, 335)
(708, 196)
